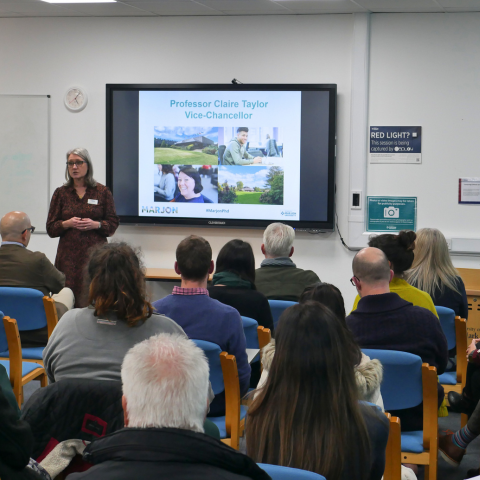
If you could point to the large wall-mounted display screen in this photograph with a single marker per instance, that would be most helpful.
(224, 155)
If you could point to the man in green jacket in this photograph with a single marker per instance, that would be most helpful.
(278, 278)
(236, 154)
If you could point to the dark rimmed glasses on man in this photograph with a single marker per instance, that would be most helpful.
(32, 229)
(352, 282)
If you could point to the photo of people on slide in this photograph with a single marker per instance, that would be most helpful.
(186, 145)
(259, 185)
(249, 145)
(185, 183)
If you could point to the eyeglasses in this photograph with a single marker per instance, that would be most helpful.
(32, 229)
(78, 163)
(352, 282)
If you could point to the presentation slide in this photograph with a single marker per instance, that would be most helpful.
(219, 154)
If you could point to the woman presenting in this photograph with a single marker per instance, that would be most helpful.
(82, 214)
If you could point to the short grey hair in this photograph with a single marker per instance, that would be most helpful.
(85, 156)
(165, 383)
(278, 239)
(370, 265)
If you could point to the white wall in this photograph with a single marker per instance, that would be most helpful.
(48, 55)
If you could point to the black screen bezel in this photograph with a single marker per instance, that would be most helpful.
(327, 225)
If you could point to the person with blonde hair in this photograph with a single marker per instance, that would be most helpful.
(433, 272)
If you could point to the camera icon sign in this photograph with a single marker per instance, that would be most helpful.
(391, 212)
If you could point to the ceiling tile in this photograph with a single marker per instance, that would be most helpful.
(400, 5)
(326, 6)
(174, 7)
(257, 6)
(37, 9)
(462, 4)
(108, 9)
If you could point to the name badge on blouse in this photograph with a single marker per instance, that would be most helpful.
(91, 201)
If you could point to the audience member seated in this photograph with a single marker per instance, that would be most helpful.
(452, 446)
(433, 272)
(234, 284)
(16, 439)
(385, 321)
(20, 267)
(278, 278)
(368, 373)
(202, 317)
(165, 390)
(308, 414)
(399, 251)
(91, 342)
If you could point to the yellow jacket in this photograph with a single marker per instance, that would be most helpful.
(409, 293)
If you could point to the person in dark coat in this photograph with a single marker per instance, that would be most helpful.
(165, 401)
(234, 284)
(385, 321)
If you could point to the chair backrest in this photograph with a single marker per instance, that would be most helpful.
(3, 336)
(393, 452)
(402, 385)
(250, 329)
(286, 473)
(25, 305)
(212, 352)
(277, 307)
(447, 321)
(264, 336)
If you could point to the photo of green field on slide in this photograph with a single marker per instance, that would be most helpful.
(185, 145)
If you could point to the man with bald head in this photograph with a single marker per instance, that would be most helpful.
(20, 267)
(385, 321)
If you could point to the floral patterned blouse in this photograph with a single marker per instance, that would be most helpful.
(74, 245)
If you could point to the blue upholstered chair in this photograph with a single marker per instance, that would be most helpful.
(455, 330)
(406, 383)
(277, 307)
(250, 329)
(224, 377)
(287, 473)
(32, 311)
(20, 372)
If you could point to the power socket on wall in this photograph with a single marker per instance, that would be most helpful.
(356, 200)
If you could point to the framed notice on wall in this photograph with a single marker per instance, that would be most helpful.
(395, 145)
(391, 214)
(469, 190)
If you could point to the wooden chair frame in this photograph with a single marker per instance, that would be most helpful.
(461, 345)
(264, 336)
(233, 425)
(52, 321)
(429, 457)
(393, 452)
(15, 359)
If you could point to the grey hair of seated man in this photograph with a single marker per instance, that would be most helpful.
(278, 240)
(12, 225)
(371, 266)
(165, 384)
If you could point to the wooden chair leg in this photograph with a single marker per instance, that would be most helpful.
(463, 420)
(43, 380)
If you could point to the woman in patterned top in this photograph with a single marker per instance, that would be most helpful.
(82, 214)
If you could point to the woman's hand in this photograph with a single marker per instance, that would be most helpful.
(472, 346)
(72, 223)
(87, 224)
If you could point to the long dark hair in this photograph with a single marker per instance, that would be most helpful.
(117, 283)
(307, 415)
(236, 256)
(398, 249)
(330, 296)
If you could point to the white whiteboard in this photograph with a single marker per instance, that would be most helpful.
(25, 156)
